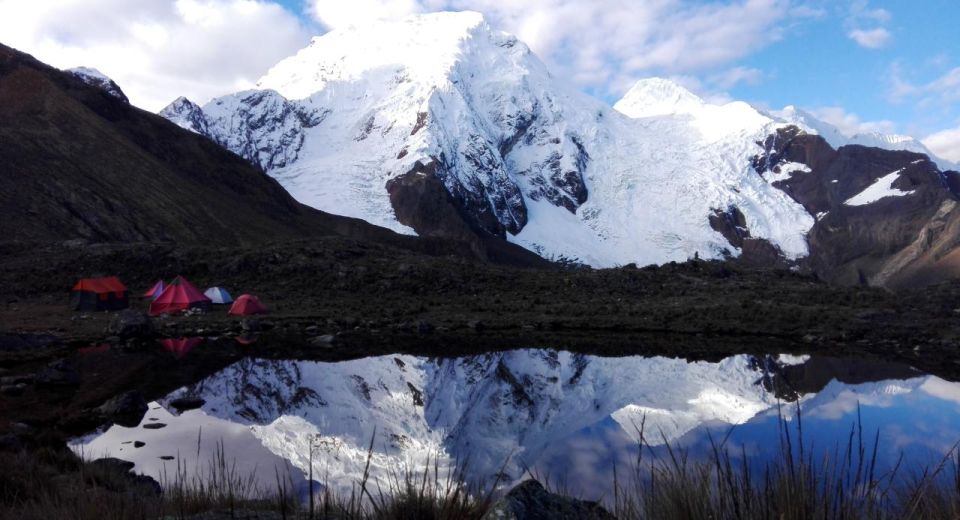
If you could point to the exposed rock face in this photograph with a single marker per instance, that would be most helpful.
(530, 501)
(883, 217)
(755, 252)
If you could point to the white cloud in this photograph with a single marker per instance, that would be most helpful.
(608, 45)
(157, 50)
(850, 124)
(945, 143)
(871, 39)
(942, 91)
(737, 75)
(867, 26)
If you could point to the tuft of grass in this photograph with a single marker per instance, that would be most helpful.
(842, 483)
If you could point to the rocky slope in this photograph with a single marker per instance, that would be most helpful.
(442, 126)
(883, 217)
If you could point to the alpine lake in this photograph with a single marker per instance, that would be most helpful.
(579, 422)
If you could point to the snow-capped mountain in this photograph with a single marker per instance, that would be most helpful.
(95, 78)
(388, 121)
(522, 153)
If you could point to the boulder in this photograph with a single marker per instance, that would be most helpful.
(126, 409)
(58, 373)
(130, 324)
(530, 501)
(182, 404)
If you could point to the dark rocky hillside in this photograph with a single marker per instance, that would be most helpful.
(892, 242)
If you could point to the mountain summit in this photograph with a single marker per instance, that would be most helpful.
(658, 97)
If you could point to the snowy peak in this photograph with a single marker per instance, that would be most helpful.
(95, 78)
(187, 115)
(416, 50)
(658, 97)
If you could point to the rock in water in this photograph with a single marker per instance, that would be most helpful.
(126, 409)
(130, 324)
(529, 501)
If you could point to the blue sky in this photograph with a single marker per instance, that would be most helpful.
(816, 64)
(863, 65)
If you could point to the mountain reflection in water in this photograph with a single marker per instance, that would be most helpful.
(570, 417)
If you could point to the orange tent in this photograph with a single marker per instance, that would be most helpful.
(100, 294)
(247, 304)
(178, 296)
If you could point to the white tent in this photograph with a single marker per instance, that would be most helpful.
(218, 295)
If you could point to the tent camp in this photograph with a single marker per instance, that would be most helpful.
(178, 296)
(155, 291)
(99, 294)
(247, 304)
(218, 295)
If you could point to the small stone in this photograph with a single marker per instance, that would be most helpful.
(139, 444)
(13, 390)
(154, 426)
(476, 325)
(326, 341)
(166, 457)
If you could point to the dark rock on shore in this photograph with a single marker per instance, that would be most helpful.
(58, 373)
(19, 342)
(130, 324)
(184, 404)
(530, 501)
(126, 409)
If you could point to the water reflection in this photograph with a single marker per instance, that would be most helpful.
(571, 417)
(180, 347)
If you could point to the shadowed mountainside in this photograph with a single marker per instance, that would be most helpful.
(79, 163)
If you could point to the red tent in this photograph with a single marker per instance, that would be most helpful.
(247, 304)
(180, 347)
(155, 291)
(177, 296)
